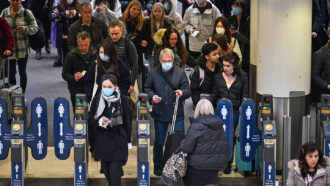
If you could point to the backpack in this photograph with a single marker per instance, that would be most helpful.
(38, 40)
(201, 75)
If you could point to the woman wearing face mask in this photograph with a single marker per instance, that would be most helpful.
(112, 129)
(310, 168)
(221, 26)
(170, 12)
(63, 15)
(231, 83)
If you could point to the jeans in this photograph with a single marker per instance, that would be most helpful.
(160, 134)
(21, 62)
(235, 120)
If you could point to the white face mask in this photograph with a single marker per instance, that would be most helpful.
(220, 30)
(69, 2)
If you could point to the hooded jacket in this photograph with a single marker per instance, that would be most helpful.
(174, 17)
(321, 177)
(206, 143)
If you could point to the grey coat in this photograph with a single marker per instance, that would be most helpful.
(321, 178)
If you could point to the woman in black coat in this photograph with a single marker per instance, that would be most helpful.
(112, 114)
(231, 83)
(206, 145)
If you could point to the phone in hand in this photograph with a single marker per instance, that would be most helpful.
(195, 33)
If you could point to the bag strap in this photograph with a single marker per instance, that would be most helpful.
(201, 76)
(167, 81)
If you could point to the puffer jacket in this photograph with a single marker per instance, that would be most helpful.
(238, 90)
(156, 85)
(204, 23)
(206, 143)
(321, 177)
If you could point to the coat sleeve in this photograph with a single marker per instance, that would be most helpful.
(186, 21)
(190, 141)
(72, 36)
(124, 77)
(245, 86)
(184, 86)
(8, 34)
(317, 69)
(214, 90)
(194, 86)
(89, 82)
(133, 59)
(68, 70)
(149, 86)
(127, 117)
(32, 27)
(290, 179)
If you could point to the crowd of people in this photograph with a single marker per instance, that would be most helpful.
(109, 47)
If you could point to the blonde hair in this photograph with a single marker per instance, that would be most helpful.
(167, 52)
(203, 107)
(126, 15)
(152, 19)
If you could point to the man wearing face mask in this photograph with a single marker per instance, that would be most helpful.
(198, 22)
(202, 76)
(96, 28)
(172, 15)
(76, 64)
(162, 86)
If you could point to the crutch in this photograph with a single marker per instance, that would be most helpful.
(174, 114)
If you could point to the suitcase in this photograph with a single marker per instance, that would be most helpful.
(174, 138)
(7, 91)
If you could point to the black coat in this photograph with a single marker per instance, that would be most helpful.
(206, 143)
(75, 63)
(156, 85)
(237, 91)
(321, 68)
(123, 80)
(206, 87)
(111, 144)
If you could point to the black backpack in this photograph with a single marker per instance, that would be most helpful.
(38, 40)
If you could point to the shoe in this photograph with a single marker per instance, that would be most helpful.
(158, 171)
(47, 48)
(227, 170)
(38, 54)
(96, 159)
(246, 173)
(57, 63)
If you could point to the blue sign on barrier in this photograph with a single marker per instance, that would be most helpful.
(63, 133)
(143, 174)
(36, 136)
(225, 113)
(327, 147)
(17, 173)
(269, 174)
(80, 174)
(251, 137)
(4, 131)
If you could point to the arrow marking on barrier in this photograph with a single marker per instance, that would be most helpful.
(0, 128)
(61, 129)
(248, 131)
(224, 127)
(16, 168)
(39, 129)
(80, 168)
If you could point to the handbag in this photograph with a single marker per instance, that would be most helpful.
(175, 169)
(38, 40)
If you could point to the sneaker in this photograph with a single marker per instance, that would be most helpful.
(158, 171)
(47, 48)
(38, 54)
(227, 170)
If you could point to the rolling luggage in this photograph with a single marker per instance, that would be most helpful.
(174, 138)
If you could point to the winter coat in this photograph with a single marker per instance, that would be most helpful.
(6, 37)
(73, 63)
(203, 23)
(99, 31)
(174, 17)
(237, 91)
(111, 144)
(199, 85)
(156, 85)
(321, 177)
(206, 143)
(321, 68)
(123, 80)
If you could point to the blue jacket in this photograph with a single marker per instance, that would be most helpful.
(156, 85)
(206, 143)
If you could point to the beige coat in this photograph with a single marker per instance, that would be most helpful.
(321, 178)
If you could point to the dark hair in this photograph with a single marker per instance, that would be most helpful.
(245, 8)
(182, 52)
(76, 5)
(221, 40)
(83, 35)
(110, 77)
(109, 50)
(207, 48)
(84, 4)
(226, 26)
(233, 22)
(110, 3)
(233, 59)
(305, 149)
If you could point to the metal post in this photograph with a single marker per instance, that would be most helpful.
(306, 129)
(286, 147)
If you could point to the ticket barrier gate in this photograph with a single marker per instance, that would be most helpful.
(143, 132)
(252, 137)
(325, 123)
(15, 137)
(65, 137)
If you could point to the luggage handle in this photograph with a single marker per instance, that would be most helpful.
(174, 114)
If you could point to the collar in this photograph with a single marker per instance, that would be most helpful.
(21, 10)
(208, 9)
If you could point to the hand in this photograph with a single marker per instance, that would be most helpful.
(56, 11)
(78, 76)
(314, 34)
(131, 88)
(67, 13)
(98, 8)
(192, 31)
(133, 37)
(19, 29)
(144, 43)
(178, 93)
(145, 12)
(106, 121)
(7, 53)
(189, 2)
(105, 8)
(155, 99)
(73, 13)
(328, 87)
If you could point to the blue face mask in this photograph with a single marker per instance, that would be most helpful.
(235, 11)
(107, 91)
(167, 66)
(103, 57)
(167, 6)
